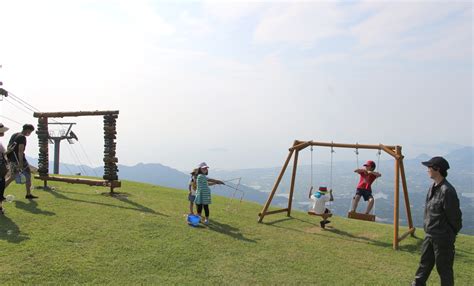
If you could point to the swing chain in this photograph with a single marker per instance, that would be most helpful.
(311, 166)
(332, 160)
(357, 156)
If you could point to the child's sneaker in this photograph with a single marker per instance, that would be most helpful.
(206, 222)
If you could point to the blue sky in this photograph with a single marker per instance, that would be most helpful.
(234, 83)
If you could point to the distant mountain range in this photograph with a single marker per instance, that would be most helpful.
(256, 183)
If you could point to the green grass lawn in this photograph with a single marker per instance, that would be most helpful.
(76, 235)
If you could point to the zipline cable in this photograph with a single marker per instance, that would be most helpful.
(14, 121)
(28, 106)
(87, 158)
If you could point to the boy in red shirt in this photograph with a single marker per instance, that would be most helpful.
(364, 189)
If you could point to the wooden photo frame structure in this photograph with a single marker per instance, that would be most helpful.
(110, 178)
(394, 151)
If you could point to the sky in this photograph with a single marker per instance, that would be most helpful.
(234, 83)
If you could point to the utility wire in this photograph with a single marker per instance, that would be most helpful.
(14, 121)
(70, 172)
(76, 158)
(26, 104)
(87, 157)
(18, 107)
(30, 107)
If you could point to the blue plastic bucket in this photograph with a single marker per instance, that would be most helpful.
(194, 220)
(20, 178)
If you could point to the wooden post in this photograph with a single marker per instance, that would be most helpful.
(396, 199)
(43, 137)
(275, 186)
(292, 187)
(405, 194)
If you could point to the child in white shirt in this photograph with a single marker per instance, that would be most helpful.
(319, 200)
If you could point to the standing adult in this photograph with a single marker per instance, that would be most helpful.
(17, 158)
(442, 222)
(203, 192)
(3, 168)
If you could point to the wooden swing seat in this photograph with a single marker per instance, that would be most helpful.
(326, 215)
(90, 182)
(361, 216)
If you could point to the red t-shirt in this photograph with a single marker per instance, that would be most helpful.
(366, 181)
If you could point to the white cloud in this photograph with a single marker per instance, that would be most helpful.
(230, 11)
(195, 26)
(403, 28)
(299, 23)
(118, 55)
(451, 42)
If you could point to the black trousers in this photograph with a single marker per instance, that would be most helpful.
(439, 252)
(206, 209)
(2, 188)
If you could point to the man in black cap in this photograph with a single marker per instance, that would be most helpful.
(442, 222)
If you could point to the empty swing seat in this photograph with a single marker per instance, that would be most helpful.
(361, 216)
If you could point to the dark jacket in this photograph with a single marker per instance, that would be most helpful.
(443, 217)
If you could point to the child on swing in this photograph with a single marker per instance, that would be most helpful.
(319, 200)
(364, 188)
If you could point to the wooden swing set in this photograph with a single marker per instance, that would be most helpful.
(110, 178)
(394, 151)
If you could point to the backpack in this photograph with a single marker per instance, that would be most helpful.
(11, 146)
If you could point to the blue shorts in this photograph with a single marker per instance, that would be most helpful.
(26, 171)
(191, 198)
(366, 194)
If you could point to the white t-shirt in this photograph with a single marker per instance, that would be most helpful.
(319, 205)
(192, 183)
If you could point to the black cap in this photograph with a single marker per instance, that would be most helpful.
(438, 162)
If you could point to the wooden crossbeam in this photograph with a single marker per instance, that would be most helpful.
(273, 212)
(406, 234)
(299, 144)
(75, 113)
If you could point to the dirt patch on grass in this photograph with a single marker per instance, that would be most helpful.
(115, 195)
(317, 229)
(368, 235)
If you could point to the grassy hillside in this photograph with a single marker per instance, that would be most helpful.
(75, 234)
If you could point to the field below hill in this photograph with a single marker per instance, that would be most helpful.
(75, 234)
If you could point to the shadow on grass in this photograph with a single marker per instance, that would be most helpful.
(136, 206)
(276, 222)
(228, 230)
(32, 207)
(411, 248)
(344, 235)
(10, 232)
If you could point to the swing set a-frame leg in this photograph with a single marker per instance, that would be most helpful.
(292, 187)
(275, 187)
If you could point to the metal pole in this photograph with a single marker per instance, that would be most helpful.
(57, 145)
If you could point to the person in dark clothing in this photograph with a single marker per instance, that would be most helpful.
(442, 222)
(17, 158)
(3, 168)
